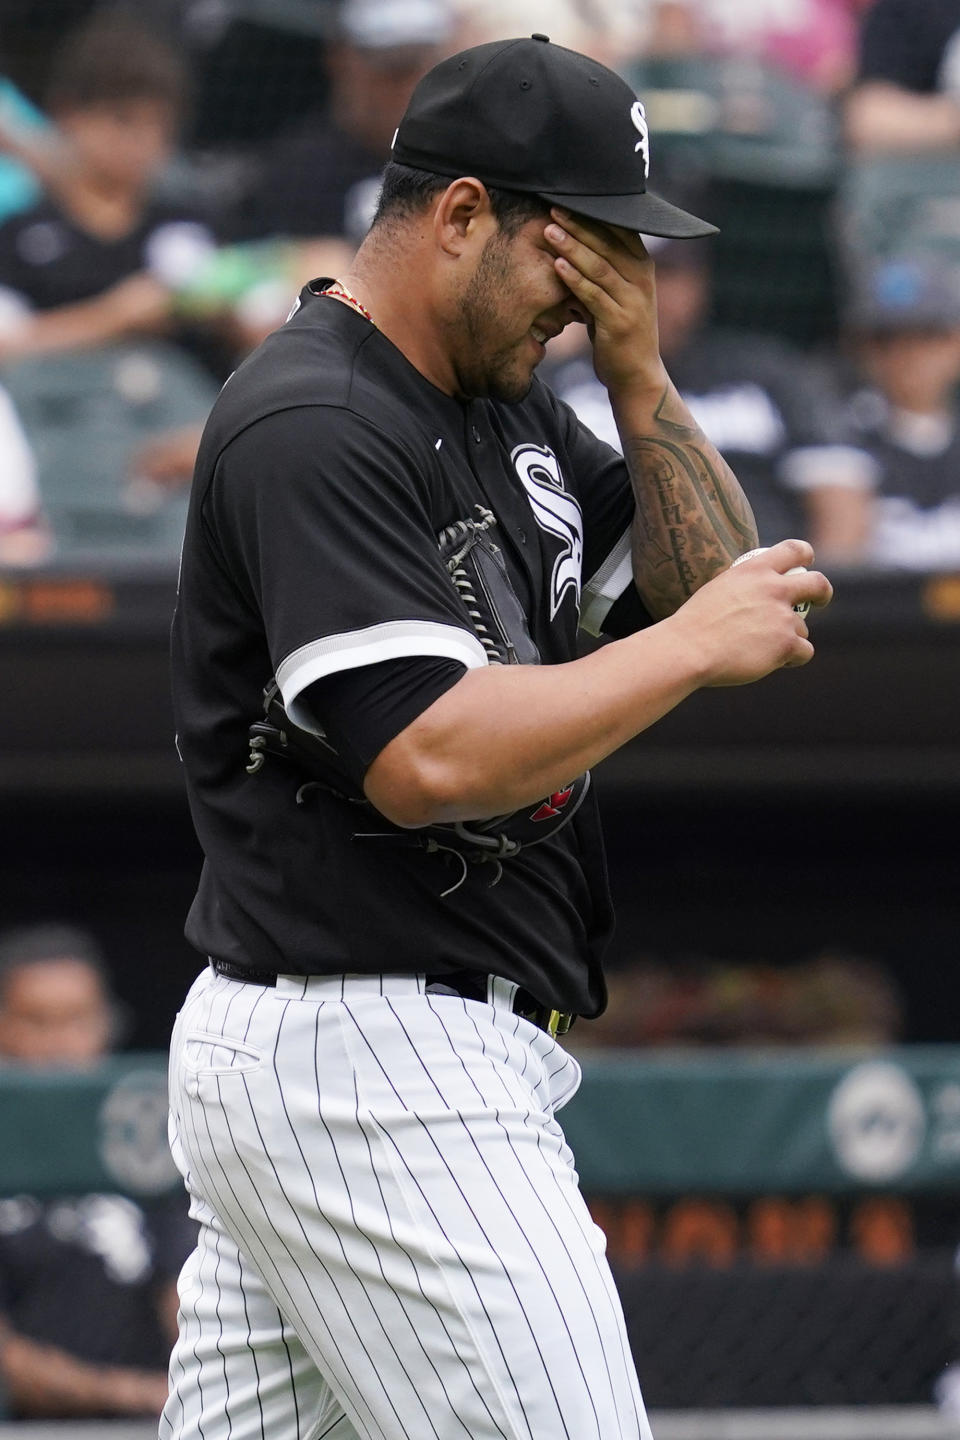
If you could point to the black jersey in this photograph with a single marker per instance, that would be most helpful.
(329, 471)
(47, 259)
(83, 1273)
(912, 45)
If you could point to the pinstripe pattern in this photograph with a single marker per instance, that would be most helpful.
(393, 1245)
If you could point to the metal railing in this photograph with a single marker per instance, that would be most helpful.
(866, 1423)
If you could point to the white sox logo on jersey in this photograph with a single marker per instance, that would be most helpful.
(557, 513)
(639, 117)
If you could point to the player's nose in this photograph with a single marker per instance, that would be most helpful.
(574, 312)
(559, 316)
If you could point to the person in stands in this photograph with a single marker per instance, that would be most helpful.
(87, 1282)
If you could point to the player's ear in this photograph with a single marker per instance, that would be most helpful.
(463, 216)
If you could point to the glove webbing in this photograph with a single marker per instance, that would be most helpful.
(455, 542)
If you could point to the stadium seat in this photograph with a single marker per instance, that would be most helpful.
(87, 414)
(743, 119)
(767, 149)
(895, 205)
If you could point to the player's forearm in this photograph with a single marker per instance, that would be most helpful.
(42, 1380)
(139, 304)
(692, 517)
(882, 118)
(505, 736)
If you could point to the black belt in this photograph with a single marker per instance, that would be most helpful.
(467, 984)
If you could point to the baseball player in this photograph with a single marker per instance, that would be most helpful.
(396, 532)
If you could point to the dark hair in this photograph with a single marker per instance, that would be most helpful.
(405, 192)
(35, 944)
(114, 57)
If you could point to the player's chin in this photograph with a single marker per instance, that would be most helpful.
(514, 395)
(513, 384)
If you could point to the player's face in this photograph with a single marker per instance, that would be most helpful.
(124, 143)
(54, 1012)
(917, 370)
(514, 303)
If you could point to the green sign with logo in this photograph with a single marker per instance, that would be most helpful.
(653, 1123)
(742, 1121)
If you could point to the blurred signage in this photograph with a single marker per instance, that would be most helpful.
(882, 1230)
(70, 600)
(941, 597)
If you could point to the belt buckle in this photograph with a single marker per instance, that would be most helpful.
(552, 1022)
(558, 1022)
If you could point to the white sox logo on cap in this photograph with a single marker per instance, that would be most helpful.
(557, 513)
(639, 117)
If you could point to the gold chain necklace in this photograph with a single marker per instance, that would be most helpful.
(339, 291)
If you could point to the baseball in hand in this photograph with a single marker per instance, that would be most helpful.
(801, 609)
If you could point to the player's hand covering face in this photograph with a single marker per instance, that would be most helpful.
(611, 277)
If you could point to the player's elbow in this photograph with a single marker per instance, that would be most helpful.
(412, 787)
(428, 774)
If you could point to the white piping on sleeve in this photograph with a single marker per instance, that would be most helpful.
(391, 640)
(607, 585)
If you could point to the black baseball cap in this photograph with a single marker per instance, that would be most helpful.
(531, 116)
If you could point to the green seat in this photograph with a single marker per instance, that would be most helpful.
(766, 149)
(86, 414)
(895, 205)
(737, 119)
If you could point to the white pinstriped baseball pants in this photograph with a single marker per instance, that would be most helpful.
(393, 1245)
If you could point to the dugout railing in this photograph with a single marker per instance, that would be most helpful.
(898, 1424)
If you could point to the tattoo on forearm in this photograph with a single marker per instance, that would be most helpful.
(692, 516)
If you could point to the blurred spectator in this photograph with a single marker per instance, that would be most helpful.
(320, 181)
(907, 95)
(94, 319)
(31, 34)
(98, 258)
(612, 31)
(765, 407)
(87, 1283)
(815, 41)
(903, 325)
(830, 999)
(310, 199)
(28, 151)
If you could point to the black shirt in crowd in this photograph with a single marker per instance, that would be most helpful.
(47, 259)
(83, 1273)
(317, 181)
(916, 459)
(912, 43)
(765, 408)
